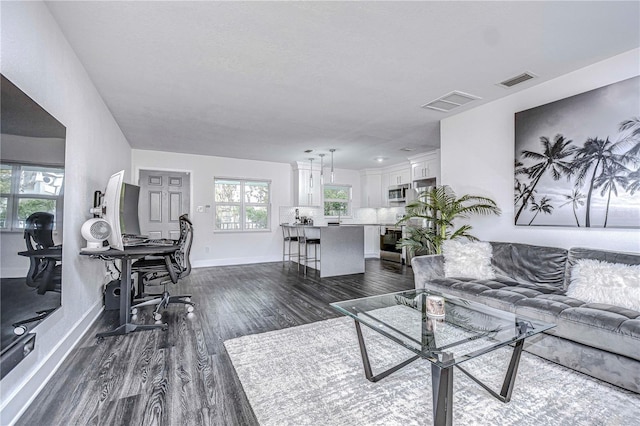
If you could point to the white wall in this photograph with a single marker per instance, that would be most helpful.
(218, 248)
(477, 149)
(209, 248)
(37, 58)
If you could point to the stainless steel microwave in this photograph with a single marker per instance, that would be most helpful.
(398, 193)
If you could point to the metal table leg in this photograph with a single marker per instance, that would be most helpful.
(442, 388)
(367, 365)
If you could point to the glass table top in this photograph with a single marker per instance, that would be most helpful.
(444, 329)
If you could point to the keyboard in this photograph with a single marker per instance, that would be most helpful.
(134, 241)
(160, 242)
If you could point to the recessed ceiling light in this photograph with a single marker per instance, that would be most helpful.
(308, 151)
(450, 101)
(380, 159)
(407, 149)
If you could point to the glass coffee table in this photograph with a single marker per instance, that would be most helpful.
(446, 331)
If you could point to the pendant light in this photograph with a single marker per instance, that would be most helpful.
(311, 173)
(321, 168)
(333, 175)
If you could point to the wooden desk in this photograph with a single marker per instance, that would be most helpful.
(127, 256)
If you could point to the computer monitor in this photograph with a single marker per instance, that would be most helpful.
(120, 209)
(111, 209)
(129, 199)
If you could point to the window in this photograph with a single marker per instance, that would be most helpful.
(26, 189)
(241, 205)
(337, 200)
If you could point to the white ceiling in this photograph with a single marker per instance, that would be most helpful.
(268, 80)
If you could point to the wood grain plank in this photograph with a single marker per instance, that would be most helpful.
(184, 375)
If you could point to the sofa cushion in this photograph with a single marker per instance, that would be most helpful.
(603, 282)
(500, 293)
(577, 253)
(531, 264)
(601, 326)
(605, 327)
(467, 259)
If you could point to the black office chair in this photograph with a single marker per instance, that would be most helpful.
(153, 271)
(45, 272)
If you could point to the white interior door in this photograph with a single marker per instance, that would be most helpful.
(164, 196)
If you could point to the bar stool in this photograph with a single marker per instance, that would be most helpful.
(289, 235)
(307, 241)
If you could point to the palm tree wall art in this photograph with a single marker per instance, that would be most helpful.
(582, 152)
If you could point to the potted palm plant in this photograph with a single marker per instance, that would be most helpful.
(438, 208)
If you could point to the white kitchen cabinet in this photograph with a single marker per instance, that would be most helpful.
(384, 189)
(372, 241)
(400, 177)
(426, 166)
(419, 170)
(371, 188)
(303, 193)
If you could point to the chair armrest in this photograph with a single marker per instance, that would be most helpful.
(427, 268)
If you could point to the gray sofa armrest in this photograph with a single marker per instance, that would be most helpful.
(427, 268)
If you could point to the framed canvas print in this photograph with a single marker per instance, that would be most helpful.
(577, 160)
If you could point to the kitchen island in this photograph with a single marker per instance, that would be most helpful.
(341, 248)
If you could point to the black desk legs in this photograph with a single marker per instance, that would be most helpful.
(125, 306)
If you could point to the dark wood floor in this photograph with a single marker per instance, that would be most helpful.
(184, 375)
(19, 302)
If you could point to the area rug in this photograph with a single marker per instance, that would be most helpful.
(313, 375)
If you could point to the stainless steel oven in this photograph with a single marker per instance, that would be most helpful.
(388, 241)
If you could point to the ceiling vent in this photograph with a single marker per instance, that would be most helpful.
(517, 79)
(450, 101)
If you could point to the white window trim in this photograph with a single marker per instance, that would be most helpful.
(339, 200)
(14, 196)
(242, 204)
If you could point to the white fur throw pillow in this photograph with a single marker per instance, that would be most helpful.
(467, 260)
(593, 281)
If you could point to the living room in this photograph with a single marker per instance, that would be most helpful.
(37, 57)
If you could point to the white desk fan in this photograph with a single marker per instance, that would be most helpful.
(95, 231)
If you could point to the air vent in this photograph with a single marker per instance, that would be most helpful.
(450, 101)
(517, 79)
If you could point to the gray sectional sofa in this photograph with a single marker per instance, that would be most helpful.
(600, 340)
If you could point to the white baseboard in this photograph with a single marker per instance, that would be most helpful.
(18, 402)
(235, 261)
(250, 260)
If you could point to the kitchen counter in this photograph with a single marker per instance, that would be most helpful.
(341, 249)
